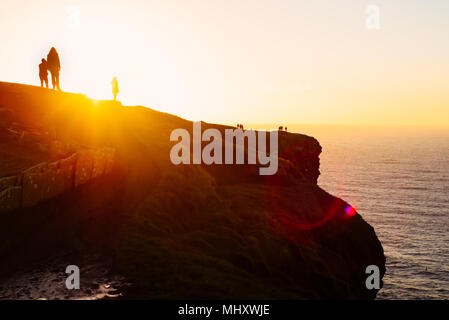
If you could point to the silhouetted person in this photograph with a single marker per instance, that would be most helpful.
(285, 129)
(115, 90)
(54, 66)
(43, 73)
(281, 128)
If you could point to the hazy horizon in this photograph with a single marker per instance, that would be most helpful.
(243, 62)
(338, 126)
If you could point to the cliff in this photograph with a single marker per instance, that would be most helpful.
(95, 178)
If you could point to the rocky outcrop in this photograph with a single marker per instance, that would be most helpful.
(48, 180)
(303, 152)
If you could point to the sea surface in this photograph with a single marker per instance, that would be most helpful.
(398, 179)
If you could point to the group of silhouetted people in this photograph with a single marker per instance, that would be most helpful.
(281, 128)
(53, 65)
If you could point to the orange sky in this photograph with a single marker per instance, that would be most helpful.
(252, 61)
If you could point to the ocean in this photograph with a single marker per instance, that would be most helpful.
(398, 180)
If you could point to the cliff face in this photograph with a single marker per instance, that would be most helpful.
(188, 231)
(303, 152)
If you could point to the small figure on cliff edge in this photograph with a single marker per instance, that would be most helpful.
(115, 89)
(54, 66)
(43, 73)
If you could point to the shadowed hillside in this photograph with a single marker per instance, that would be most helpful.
(176, 232)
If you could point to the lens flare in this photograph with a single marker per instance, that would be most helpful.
(350, 211)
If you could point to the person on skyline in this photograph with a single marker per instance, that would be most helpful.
(115, 89)
(43, 73)
(54, 66)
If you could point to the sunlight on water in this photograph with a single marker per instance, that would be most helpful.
(399, 183)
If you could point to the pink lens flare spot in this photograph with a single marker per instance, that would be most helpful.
(350, 211)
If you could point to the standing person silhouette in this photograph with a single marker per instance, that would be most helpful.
(115, 90)
(43, 73)
(54, 66)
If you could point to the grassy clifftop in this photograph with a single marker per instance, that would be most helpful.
(180, 232)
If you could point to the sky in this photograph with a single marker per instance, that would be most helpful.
(244, 61)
